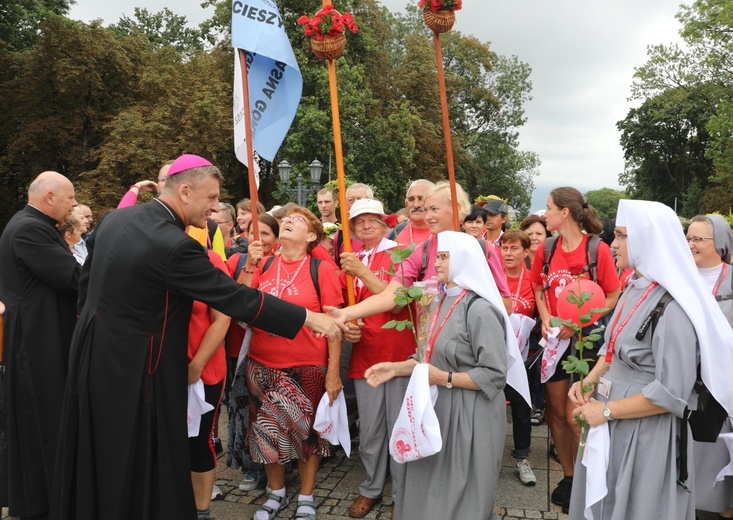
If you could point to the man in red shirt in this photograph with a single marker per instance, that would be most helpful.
(378, 407)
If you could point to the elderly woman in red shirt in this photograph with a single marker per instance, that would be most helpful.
(287, 378)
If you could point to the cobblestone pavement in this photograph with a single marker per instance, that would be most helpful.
(339, 478)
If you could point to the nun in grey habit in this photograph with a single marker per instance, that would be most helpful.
(712, 260)
(636, 412)
(468, 364)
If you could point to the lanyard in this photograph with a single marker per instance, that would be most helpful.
(432, 337)
(369, 257)
(614, 335)
(279, 291)
(515, 298)
(720, 279)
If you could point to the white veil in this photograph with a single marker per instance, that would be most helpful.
(657, 249)
(468, 269)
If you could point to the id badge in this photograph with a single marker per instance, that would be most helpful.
(604, 387)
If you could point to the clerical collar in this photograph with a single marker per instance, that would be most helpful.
(453, 291)
(170, 212)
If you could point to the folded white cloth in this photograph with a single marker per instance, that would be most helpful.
(554, 349)
(244, 349)
(332, 422)
(197, 406)
(595, 459)
(416, 433)
(728, 470)
(522, 326)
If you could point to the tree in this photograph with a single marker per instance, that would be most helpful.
(161, 29)
(686, 95)
(605, 201)
(21, 20)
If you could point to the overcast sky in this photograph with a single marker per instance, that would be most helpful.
(582, 54)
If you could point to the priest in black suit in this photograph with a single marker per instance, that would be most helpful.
(38, 284)
(123, 451)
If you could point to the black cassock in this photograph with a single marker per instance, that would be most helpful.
(38, 282)
(123, 450)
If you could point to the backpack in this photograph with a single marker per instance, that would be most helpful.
(424, 264)
(707, 421)
(591, 256)
(397, 230)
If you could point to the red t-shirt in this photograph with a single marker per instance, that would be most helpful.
(625, 277)
(523, 299)
(215, 369)
(567, 266)
(412, 235)
(378, 344)
(292, 282)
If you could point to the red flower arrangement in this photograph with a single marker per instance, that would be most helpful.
(441, 5)
(329, 22)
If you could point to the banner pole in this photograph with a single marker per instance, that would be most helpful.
(253, 196)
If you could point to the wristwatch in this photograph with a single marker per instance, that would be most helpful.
(607, 412)
(449, 384)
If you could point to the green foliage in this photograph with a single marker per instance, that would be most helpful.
(605, 201)
(677, 144)
(106, 106)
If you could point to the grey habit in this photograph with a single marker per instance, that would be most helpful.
(461, 480)
(711, 457)
(642, 472)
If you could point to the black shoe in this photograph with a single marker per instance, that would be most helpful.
(561, 495)
(566, 505)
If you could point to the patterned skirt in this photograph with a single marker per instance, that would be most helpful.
(283, 404)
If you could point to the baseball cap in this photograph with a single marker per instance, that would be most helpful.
(496, 206)
(370, 206)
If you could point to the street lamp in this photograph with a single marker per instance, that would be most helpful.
(302, 192)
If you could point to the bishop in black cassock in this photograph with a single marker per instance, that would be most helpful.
(123, 451)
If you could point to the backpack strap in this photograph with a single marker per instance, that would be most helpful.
(548, 253)
(211, 226)
(314, 266)
(337, 243)
(729, 296)
(424, 263)
(485, 248)
(591, 256)
(240, 264)
(654, 315)
(397, 230)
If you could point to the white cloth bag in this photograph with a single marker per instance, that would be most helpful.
(332, 422)
(416, 433)
(554, 349)
(197, 406)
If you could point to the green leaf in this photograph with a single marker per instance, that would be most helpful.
(400, 326)
(414, 292)
(585, 318)
(598, 310)
(581, 367)
(390, 324)
(572, 299)
(555, 321)
(598, 330)
(593, 337)
(401, 301)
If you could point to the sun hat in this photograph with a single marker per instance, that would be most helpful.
(366, 206)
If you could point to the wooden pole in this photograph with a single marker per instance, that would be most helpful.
(253, 197)
(340, 175)
(446, 131)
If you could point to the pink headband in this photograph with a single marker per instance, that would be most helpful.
(187, 162)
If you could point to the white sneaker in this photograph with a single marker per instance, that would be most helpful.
(216, 493)
(525, 473)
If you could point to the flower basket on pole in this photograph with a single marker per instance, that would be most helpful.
(439, 15)
(326, 31)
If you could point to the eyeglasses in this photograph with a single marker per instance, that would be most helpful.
(294, 218)
(697, 240)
